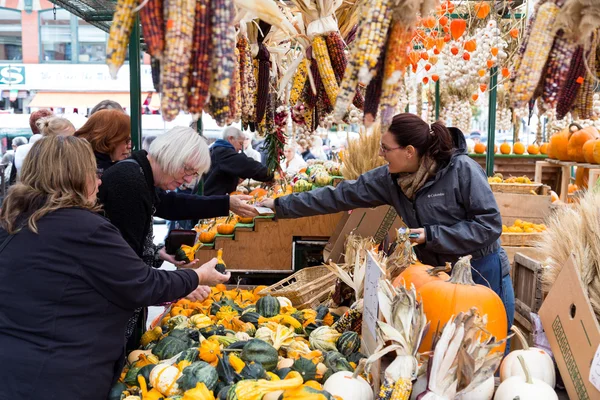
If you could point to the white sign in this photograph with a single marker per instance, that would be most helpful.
(371, 302)
(595, 370)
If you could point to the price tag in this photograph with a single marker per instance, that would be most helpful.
(595, 370)
(264, 210)
(370, 301)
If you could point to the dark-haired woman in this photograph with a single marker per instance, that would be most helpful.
(441, 193)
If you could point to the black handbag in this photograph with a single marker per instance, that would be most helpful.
(177, 237)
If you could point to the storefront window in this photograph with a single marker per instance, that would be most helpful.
(92, 42)
(55, 34)
(11, 44)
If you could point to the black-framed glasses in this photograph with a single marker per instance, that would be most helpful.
(384, 149)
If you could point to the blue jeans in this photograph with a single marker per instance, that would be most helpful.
(490, 275)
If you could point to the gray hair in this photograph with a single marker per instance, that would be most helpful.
(55, 126)
(181, 147)
(107, 105)
(233, 132)
(19, 140)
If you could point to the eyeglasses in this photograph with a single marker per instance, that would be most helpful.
(190, 173)
(384, 149)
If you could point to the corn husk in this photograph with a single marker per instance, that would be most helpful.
(362, 154)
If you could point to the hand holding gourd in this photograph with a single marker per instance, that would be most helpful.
(208, 275)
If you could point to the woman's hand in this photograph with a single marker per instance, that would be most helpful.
(201, 293)
(208, 275)
(421, 238)
(269, 203)
(238, 204)
(162, 253)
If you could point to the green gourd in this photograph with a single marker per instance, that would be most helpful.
(197, 372)
(261, 352)
(348, 343)
(268, 306)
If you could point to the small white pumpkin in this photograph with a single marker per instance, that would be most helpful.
(284, 302)
(524, 388)
(349, 387)
(539, 362)
(164, 378)
(485, 391)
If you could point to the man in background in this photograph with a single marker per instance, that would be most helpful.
(248, 150)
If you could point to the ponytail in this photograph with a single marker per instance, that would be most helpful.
(440, 146)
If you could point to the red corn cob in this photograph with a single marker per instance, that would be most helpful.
(200, 65)
(153, 27)
(573, 81)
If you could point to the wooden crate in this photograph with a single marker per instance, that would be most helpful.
(526, 207)
(519, 239)
(530, 252)
(523, 165)
(520, 188)
(527, 283)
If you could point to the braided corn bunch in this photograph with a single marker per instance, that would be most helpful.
(557, 68)
(370, 40)
(152, 20)
(584, 104)
(299, 80)
(328, 78)
(398, 45)
(235, 101)
(200, 60)
(223, 39)
(247, 81)
(118, 37)
(175, 67)
(573, 81)
(533, 61)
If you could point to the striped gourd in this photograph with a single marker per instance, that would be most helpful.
(328, 78)
(247, 81)
(585, 96)
(370, 40)
(200, 61)
(534, 59)
(397, 48)
(153, 27)
(235, 106)
(573, 81)
(299, 80)
(223, 39)
(175, 66)
(118, 37)
(557, 68)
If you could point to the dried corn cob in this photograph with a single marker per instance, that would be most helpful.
(153, 24)
(347, 321)
(235, 106)
(335, 47)
(262, 90)
(557, 68)
(247, 81)
(585, 97)
(373, 95)
(223, 60)
(525, 41)
(399, 390)
(574, 79)
(175, 70)
(376, 17)
(155, 69)
(328, 78)
(396, 60)
(118, 37)
(200, 59)
(218, 109)
(538, 47)
(299, 81)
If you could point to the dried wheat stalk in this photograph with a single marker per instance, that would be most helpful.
(362, 154)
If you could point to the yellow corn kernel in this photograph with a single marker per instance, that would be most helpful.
(299, 80)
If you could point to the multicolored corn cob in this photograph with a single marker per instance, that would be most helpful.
(399, 390)
(337, 54)
(218, 109)
(573, 81)
(328, 78)
(584, 104)
(557, 68)
(373, 94)
(247, 81)
(223, 39)
(348, 320)
(118, 37)
(376, 16)
(235, 100)
(153, 27)
(298, 81)
(527, 34)
(175, 68)
(200, 62)
(262, 90)
(396, 60)
(155, 69)
(534, 59)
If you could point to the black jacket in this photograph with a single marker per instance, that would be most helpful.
(66, 294)
(130, 200)
(227, 167)
(103, 162)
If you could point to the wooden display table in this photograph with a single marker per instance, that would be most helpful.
(564, 168)
(520, 165)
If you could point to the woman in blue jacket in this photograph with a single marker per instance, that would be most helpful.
(437, 189)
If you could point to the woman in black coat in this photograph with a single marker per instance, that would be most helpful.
(68, 281)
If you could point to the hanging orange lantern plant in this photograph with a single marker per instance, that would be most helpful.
(475, 97)
(454, 50)
(433, 60)
(494, 51)
(466, 56)
(490, 63)
(426, 80)
(436, 51)
(427, 67)
(447, 38)
(505, 72)
(429, 22)
(482, 87)
(458, 27)
(481, 72)
(443, 21)
(440, 43)
(482, 9)
(470, 45)
(425, 56)
(429, 42)
(514, 33)
(435, 77)
(414, 57)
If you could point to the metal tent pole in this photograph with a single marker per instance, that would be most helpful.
(489, 159)
(437, 100)
(135, 86)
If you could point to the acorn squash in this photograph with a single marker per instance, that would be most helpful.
(261, 352)
(199, 371)
(250, 316)
(226, 371)
(268, 306)
(116, 391)
(253, 371)
(175, 343)
(306, 368)
(348, 343)
(190, 355)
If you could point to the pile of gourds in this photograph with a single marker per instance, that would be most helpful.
(237, 345)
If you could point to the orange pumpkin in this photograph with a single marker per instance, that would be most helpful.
(533, 149)
(457, 28)
(582, 176)
(505, 148)
(419, 274)
(258, 192)
(559, 142)
(544, 148)
(577, 140)
(495, 148)
(444, 299)
(479, 148)
(519, 148)
(553, 196)
(208, 237)
(572, 188)
(482, 9)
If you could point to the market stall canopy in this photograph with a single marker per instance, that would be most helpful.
(97, 12)
(80, 100)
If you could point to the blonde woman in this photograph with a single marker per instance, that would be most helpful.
(68, 300)
(55, 126)
(134, 191)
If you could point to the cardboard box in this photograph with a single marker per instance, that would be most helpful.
(376, 222)
(573, 332)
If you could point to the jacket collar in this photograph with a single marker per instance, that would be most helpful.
(223, 143)
(141, 157)
(103, 160)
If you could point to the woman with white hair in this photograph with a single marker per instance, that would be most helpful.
(247, 148)
(133, 191)
(293, 162)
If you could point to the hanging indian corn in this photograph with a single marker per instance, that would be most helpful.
(373, 93)
(585, 97)
(235, 106)
(298, 81)
(264, 66)
(335, 47)
(200, 65)
(118, 37)
(321, 56)
(153, 27)
(175, 67)
(573, 81)
(223, 39)
(557, 68)
(247, 81)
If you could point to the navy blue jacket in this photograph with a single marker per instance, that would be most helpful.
(66, 295)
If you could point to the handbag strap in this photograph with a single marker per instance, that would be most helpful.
(6, 242)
